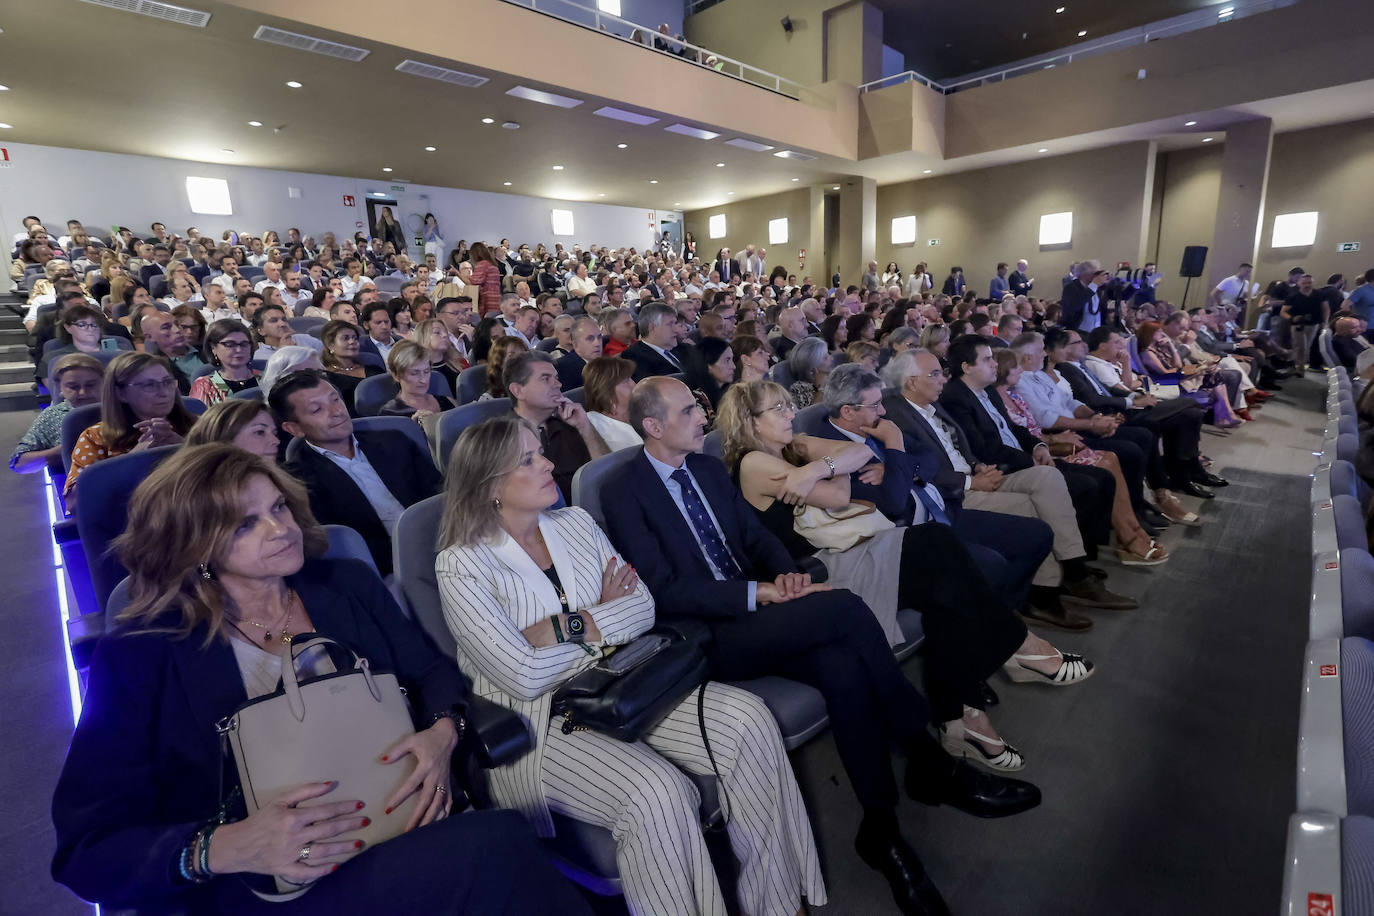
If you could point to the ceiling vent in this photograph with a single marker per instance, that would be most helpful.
(442, 74)
(793, 154)
(306, 43)
(164, 11)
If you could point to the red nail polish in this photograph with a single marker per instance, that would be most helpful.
(384, 756)
(360, 807)
(333, 868)
(367, 821)
(357, 844)
(388, 810)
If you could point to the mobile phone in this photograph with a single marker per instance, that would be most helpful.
(109, 343)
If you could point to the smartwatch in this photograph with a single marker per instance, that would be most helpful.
(577, 627)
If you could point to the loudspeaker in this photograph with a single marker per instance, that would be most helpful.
(787, 24)
(1194, 257)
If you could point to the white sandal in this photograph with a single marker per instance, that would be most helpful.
(1173, 510)
(1073, 669)
(961, 741)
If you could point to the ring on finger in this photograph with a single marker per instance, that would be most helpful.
(441, 790)
(304, 854)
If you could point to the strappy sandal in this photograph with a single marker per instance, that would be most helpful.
(1152, 557)
(1173, 510)
(961, 741)
(1072, 670)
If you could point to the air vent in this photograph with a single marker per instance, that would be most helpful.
(443, 75)
(165, 11)
(306, 43)
(793, 154)
(751, 145)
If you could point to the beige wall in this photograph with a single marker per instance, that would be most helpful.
(1191, 180)
(984, 216)
(750, 31)
(746, 223)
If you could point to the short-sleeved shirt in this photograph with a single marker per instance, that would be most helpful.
(1306, 308)
(1361, 300)
(44, 433)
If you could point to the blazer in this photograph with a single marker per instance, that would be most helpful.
(407, 470)
(569, 368)
(648, 361)
(1076, 300)
(144, 766)
(1019, 284)
(492, 591)
(949, 482)
(149, 271)
(735, 272)
(963, 405)
(652, 534)
(1084, 390)
(901, 468)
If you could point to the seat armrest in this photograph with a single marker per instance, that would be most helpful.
(498, 734)
(814, 567)
(689, 629)
(1326, 609)
(64, 532)
(1321, 736)
(1312, 865)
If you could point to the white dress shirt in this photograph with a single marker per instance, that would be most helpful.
(942, 432)
(1047, 401)
(361, 471)
(1107, 374)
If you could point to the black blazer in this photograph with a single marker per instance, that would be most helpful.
(408, 472)
(143, 770)
(1018, 283)
(148, 271)
(734, 270)
(1085, 391)
(646, 527)
(569, 368)
(901, 469)
(987, 444)
(1075, 302)
(648, 361)
(912, 424)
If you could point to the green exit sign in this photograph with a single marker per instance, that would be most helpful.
(1348, 246)
(933, 242)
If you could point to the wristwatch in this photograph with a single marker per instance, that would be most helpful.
(577, 627)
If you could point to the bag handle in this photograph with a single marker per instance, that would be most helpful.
(290, 681)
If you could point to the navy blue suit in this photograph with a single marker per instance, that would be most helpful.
(829, 640)
(143, 772)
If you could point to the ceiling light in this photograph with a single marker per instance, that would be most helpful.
(835, 188)
(511, 125)
(488, 120)
(229, 151)
(1060, 9)
(796, 179)
(4, 88)
(386, 168)
(751, 145)
(1207, 139)
(601, 195)
(378, 194)
(292, 84)
(506, 183)
(1043, 149)
(653, 181)
(4, 126)
(255, 124)
(1226, 12)
(430, 149)
(630, 117)
(1082, 32)
(926, 171)
(558, 168)
(720, 165)
(621, 145)
(688, 131)
(544, 98)
(793, 154)
(677, 203)
(1190, 124)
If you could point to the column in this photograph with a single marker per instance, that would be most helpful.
(815, 243)
(1240, 205)
(854, 43)
(858, 227)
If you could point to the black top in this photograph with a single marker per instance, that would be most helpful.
(778, 518)
(347, 384)
(398, 408)
(237, 385)
(1306, 309)
(552, 573)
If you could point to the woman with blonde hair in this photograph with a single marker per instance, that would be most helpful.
(226, 567)
(408, 363)
(243, 422)
(515, 576)
(969, 631)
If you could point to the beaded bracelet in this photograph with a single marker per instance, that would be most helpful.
(203, 860)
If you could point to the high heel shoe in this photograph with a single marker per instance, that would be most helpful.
(1154, 556)
(1073, 669)
(961, 741)
(1244, 414)
(1173, 510)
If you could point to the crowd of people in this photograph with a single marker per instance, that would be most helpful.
(971, 458)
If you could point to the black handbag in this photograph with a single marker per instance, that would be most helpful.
(630, 691)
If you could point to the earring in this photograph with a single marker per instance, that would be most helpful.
(496, 503)
(205, 572)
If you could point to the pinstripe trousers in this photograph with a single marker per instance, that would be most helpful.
(639, 792)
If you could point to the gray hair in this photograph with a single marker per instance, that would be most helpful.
(653, 315)
(563, 321)
(609, 317)
(283, 362)
(903, 364)
(845, 385)
(1024, 341)
(902, 335)
(806, 357)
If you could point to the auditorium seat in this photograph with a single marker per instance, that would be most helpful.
(402, 425)
(452, 422)
(576, 395)
(73, 425)
(1327, 866)
(711, 445)
(547, 345)
(389, 284)
(1350, 531)
(471, 383)
(251, 394)
(1344, 480)
(305, 325)
(1356, 578)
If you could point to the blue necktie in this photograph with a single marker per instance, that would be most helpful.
(934, 511)
(1092, 379)
(705, 529)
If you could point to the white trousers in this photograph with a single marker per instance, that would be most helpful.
(639, 793)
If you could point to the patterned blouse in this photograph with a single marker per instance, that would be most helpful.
(89, 449)
(1022, 415)
(44, 433)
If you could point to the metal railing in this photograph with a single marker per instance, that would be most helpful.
(1165, 28)
(650, 39)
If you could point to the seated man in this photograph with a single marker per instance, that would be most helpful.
(987, 508)
(364, 480)
(565, 431)
(901, 485)
(161, 328)
(653, 353)
(1348, 342)
(586, 346)
(704, 554)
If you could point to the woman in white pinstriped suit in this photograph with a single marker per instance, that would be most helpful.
(505, 563)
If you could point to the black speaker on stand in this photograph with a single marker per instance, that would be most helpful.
(1194, 258)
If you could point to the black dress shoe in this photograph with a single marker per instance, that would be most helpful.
(988, 695)
(1153, 518)
(1193, 489)
(912, 889)
(1211, 480)
(972, 791)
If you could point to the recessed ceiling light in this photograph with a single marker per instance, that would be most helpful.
(677, 203)
(688, 131)
(653, 181)
(1207, 139)
(601, 195)
(1060, 9)
(488, 120)
(1082, 32)
(796, 179)
(751, 145)
(511, 125)
(430, 149)
(629, 117)
(926, 171)
(546, 98)
(1043, 149)
(1190, 124)
(793, 154)
(506, 183)
(835, 188)
(729, 193)
(720, 165)
(229, 151)
(293, 84)
(622, 146)
(4, 126)
(4, 88)
(378, 194)
(386, 168)
(558, 168)
(255, 124)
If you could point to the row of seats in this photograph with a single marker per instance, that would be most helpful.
(1329, 865)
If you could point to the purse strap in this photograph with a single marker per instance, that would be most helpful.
(290, 681)
(717, 824)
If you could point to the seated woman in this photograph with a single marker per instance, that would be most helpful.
(223, 558)
(511, 573)
(969, 631)
(859, 327)
(80, 332)
(1135, 546)
(864, 353)
(192, 324)
(140, 408)
(321, 301)
(834, 331)
(402, 321)
(488, 331)
(75, 381)
(809, 362)
(752, 357)
(607, 382)
(935, 338)
(1161, 359)
(341, 359)
(228, 348)
(409, 367)
(239, 421)
(710, 373)
(502, 349)
(443, 356)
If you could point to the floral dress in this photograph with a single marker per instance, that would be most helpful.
(1021, 415)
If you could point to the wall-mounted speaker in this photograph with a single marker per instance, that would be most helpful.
(1194, 257)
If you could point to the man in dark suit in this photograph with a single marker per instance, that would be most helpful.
(727, 268)
(1009, 465)
(162, 256)
(363, 480)
(653, 353)
(586, 343)
(954, 283)
(1019, 282)
(1082, 308)
(703, 553)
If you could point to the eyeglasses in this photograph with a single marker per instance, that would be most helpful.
(87, 326)
(781, 408)
(234, 344)
(874, 406)
(151, 387)
(934, 373)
